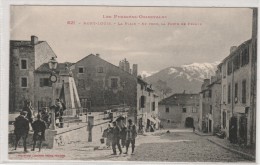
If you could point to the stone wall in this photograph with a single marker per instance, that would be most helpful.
(96, 86)
(17, 93)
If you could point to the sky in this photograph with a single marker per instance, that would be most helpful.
(180, 36)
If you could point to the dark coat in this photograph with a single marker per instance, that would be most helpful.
(116, 133)
(123, 133)
(29, 113)
(58, 110)
(21, 125)
(39, 127)
(45, 117)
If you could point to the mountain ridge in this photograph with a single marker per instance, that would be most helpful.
(185, 77)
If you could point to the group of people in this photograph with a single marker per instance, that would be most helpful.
(26, 120)
(124, 134)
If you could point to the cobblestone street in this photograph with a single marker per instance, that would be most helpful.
(177, 146)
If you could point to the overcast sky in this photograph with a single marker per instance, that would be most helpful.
(152, 47)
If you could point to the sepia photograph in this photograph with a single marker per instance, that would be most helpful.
(132, 83)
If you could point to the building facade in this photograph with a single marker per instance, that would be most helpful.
(179, 111)
(25, 58)
(237, 107)
(147, 106)
(210, 100)
(102, 85)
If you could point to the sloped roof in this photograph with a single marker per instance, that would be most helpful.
(92, 55)
(241, 46)
(181, 99)
(44, 68)
(22, 43)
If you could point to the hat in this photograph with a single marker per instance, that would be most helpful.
(23, 113)
(52, 107)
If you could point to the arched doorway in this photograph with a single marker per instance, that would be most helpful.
(189, 122)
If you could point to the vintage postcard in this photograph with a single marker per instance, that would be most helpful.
(118, 83)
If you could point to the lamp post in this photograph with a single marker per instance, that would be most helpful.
(53, 78)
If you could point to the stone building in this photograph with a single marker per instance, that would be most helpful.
(102, 85)
(147, 106)
(210, 100)
(25, 58)
(179, 110)
(238, 109)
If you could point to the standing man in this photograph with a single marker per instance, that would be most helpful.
(115, 139)
(39, 127)
(21, 129)
(131, 134)
(28, 108)
(123, 135)
(45, 117)
(59, 112)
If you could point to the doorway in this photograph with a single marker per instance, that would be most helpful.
(210, 125)
(189, 122)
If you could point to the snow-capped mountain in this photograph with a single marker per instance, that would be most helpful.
(186, 77)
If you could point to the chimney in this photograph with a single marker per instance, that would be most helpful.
(135, 69)
(233, 48)
(98, 55)
(34, 40)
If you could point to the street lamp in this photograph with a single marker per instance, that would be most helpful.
(53, 78)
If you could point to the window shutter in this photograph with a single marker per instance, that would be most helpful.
(41, 82)
(50, 83)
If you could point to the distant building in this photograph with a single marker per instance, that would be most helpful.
(210, 100)
(125, 65)
(179, 110)
(147, 106)
(135, 70)
(25, 58)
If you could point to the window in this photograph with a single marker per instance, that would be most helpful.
(153, 106)
(168, 121)
(24, 83)
(194, 110)
(100, 70)
(224, 70)
(237, 61)
(183, 110)
(142, 101)
(236, 93)
(81, 83)
(114, 82)
(244, 91)
(209, 93)
(229, 94)
(210, 109)
(167, 109)
(229, 67)
(23, 63)
(245, 57)
(81, 70)
(45, 82)
(224, 119)
(142, 86)
(224, 94)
